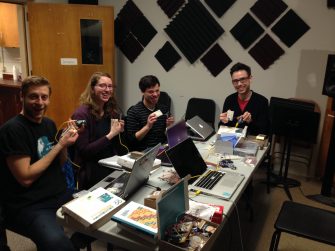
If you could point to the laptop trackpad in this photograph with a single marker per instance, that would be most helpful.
(228, 182)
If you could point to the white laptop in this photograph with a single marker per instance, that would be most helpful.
(186, 159)
(200, 130)
(128, 182)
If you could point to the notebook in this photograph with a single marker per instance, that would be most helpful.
(186, 159)
(128, 182)
(175, 134)
(199, 129)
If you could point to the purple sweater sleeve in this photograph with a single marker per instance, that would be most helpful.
(86, 145)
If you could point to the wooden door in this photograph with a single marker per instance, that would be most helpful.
(55, 43)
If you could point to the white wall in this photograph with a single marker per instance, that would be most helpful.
(298, 73)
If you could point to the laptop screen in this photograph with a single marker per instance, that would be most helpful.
(186, 159)
(176, 133)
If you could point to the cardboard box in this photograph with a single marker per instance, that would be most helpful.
(150, 201)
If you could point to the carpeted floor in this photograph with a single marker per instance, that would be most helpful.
(257, 234)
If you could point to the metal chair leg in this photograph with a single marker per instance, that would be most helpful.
(275, 240)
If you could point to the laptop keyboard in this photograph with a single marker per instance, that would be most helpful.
(210, 179)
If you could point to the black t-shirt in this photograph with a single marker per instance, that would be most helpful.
(20, 136)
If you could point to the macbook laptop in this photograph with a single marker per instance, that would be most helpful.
(186, 159)
(199, 129)
(128, 182)
(175, 134)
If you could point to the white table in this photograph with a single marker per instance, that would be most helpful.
(113, 234)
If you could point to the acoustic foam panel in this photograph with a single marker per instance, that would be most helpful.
(246, 31)
(131, 48)
(290, 28)
(129, 14)
(121, 31)
(216, 60)
(268, 10)
(167, 56)
(219, 7)
(170, 7)
(132, 30)
(143, 31)
(193, 30)
(266, 51)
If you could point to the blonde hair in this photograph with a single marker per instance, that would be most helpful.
(88, 98)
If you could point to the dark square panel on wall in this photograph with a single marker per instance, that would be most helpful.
(167, 56)
(143, 31)
(132, 28)
(219, 7)
(266, 51)
(268, 10)
(216, 60)
(121, 31)
(129, 14)
(247, 30)
(193, 30)
(290, 28)
(170, 7)
(331, 3)
(131, 48)
(93, 2)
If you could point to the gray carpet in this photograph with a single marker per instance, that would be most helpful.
(256, 234)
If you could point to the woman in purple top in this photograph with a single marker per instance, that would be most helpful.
(101, 136)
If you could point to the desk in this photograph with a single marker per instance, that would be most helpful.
(111, 233)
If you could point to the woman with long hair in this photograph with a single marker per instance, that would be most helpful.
(101, 136)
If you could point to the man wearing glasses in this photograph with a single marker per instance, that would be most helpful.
(245, 107)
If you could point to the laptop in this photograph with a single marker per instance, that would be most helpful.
(186, 159)
(199, 129)
(127, 183)
(175, 134)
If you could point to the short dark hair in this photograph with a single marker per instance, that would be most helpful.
(148, 82)
(240, 67)
(34, 81)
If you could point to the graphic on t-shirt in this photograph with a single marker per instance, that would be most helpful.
(43, 146)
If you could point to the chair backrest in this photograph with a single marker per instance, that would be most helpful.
(204, 108)
(165, 99)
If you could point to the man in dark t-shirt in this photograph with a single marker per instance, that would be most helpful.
(33, 185)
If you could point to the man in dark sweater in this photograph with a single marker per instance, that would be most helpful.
(147, 120)
(248, 107)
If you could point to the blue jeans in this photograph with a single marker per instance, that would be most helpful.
(38, 222)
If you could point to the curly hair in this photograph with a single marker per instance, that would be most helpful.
(111, 108)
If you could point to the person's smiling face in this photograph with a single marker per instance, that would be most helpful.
(35, 102)
(103, 90)
(241, 81)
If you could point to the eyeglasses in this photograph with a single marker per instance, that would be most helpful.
(105, 86)
(240, 80)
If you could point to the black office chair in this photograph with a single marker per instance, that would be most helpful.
(204, 108)
(304, 221)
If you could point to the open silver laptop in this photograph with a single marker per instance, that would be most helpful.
(127, 183)
(200, 130)
(186, 159)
